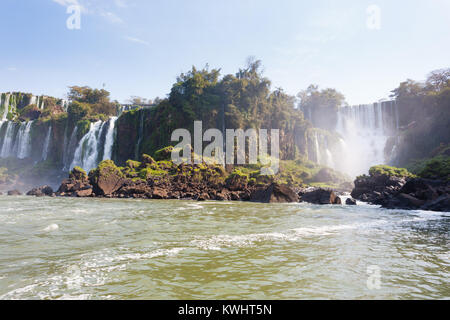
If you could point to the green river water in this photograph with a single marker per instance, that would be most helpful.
(58, 248)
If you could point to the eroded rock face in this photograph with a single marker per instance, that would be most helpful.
(373, 189)
(421, 194)
(319, 196)
(403, 193)
(106, 179)
(275, 193)
(77, 185)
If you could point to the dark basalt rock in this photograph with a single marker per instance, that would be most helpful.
(319, 196)
(41, 191)
(14, 193)
(350, 202)
(375, 188)
(275, 193)
(441, 204)
(106, 179)
(400, 193)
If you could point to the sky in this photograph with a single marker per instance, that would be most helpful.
(364, 49)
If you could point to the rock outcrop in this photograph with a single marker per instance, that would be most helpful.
(319, 196)
(14, 193)
(374, 188)
(41, 191)
(106, 179)
(275, 193)
(421, 194)
(407, 192)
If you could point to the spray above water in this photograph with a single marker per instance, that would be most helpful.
(365, 130)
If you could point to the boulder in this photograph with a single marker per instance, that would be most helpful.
(40, 191)
(106, 179)
(14, 193)
(78, 174)
(275, 193)
(402, 201)
(84, 193)
(420, 188)
(350, 202)
(320, 196)
(376, 188)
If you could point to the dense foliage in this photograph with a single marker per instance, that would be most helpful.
(321, 106)
(90, 103)
(244, 100)
(425, 116)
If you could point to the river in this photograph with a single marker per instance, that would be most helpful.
(65, 248)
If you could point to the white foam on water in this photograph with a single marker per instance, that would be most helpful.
(51, 228)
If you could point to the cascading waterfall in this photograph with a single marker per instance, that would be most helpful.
(365, 130)
(16, 137)
(317, 147)
(109, 140)
(141, 135)
(69, 148)
(22, 148)
(8, 141)
(47, 144)
(88, 152)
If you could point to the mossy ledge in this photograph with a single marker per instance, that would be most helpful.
(160, 178)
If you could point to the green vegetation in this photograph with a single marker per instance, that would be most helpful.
(243, 100)
(384, 170)
(424, 113)
(434, 168)
(163, 154)
(321, 105)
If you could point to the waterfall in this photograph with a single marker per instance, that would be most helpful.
(88, 152)
(109, 140)
(22, 147)
(330, 160)
(46, 147)
(8, 140)
(317, 147)
(69, 148)
(365, 130)
(141, 135)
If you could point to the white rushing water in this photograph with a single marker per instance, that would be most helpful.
(109, 140)
(23, 144)
(8, 140)
(87, 154)
(46, 147)
(365, 130)
(87, 151)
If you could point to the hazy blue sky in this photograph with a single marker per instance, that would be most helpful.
(138, 47)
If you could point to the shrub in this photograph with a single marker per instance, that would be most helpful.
(383, 170)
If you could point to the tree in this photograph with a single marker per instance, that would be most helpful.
(321, 106)
(97, 101)
(438, 80)
(408, 89)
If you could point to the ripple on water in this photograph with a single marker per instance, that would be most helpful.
(101, 249)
